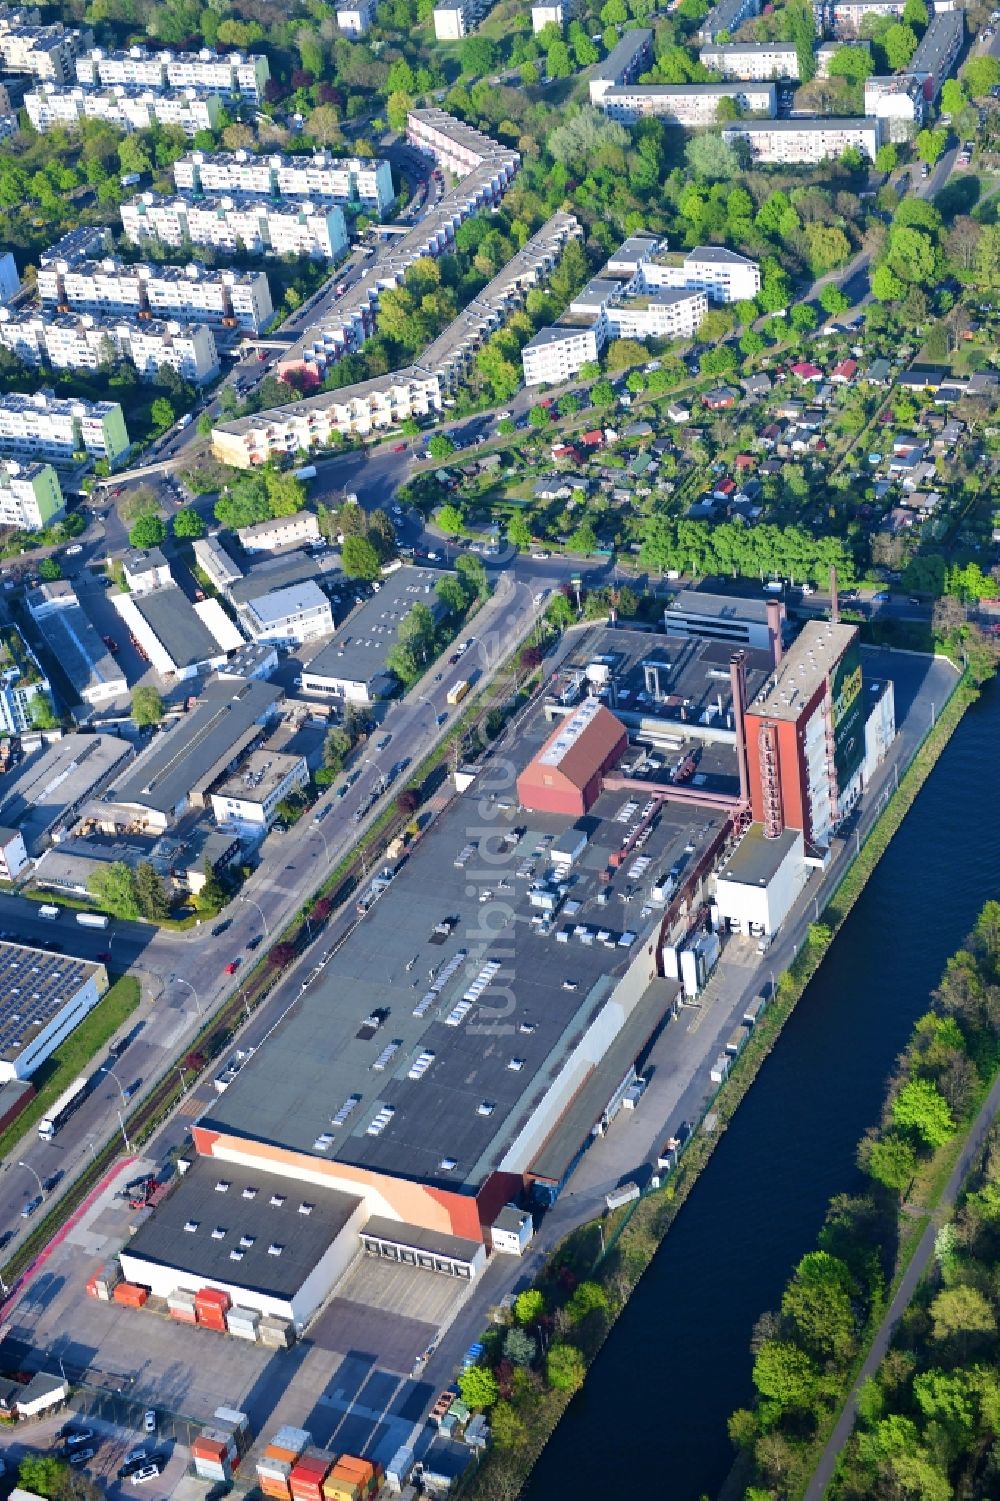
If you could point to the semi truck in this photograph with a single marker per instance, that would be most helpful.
(62, 1109)
(92, 919)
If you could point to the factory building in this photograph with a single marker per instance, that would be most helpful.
(43, 998)
(565, 776)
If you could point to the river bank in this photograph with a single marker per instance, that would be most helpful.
(636, 1251)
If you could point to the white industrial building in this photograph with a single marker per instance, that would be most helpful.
(30, 495)
(82, 341)
(688, 104)
(227, 74)
(349, 179)
(247, 800)
(179, 639)
(235, 224)
(289, 617)
(192, 293)
(43, 998)
(74, 643)
(791, 142)
(124, 107)
(758, 885)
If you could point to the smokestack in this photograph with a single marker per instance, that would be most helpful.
(774, 630)
(834, 597)
(738, 686)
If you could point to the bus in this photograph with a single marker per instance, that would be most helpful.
(458, 690)
(63, 1108)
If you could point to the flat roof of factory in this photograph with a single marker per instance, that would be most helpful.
(441, 1090)
(806, 664)
(34, 987)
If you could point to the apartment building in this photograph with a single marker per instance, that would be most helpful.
(723, 275)
(123, 106)
(939, 47)
(632, 55)
(9, 125)
(806, 141)
(688, 104)
(897, 101)
(364, 181)
(47, 52)
(453, 21)
(228, 74)
(658, 315)
(30, 495)
(86, 243)
(355, 20)
(727, 17)
(762, 60)
(556, 354)
(849, 14)
(192, 293)
(238, 223)
(10, 281)
(82, 341)
(551, 15)
(46, 426)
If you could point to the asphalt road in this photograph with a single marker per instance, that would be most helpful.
(183, 974)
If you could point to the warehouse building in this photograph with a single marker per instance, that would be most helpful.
(566, 774)
(74, 643)
(178, 638)
(352, 666)
(178, 767)
(46, 794)
(43, 998)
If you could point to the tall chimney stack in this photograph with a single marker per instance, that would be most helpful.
(774, 630)
(834, 596)
(738, 686)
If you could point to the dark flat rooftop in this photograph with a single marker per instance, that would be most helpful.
(246, 1211)
(172, 618)
(755, 860)
(358, 650)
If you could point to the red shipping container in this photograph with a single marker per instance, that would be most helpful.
(131, 1294)
(312, 1469)
(212, 1297)
(212, 1318)
(209, 1448)
(184, 1316)
(92, 1288)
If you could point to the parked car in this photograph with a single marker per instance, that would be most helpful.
(149, 1417)
(75, 1436)
(148, 1472)
(31, 1206)
(80, 1456)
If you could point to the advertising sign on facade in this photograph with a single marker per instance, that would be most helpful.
(848, 716)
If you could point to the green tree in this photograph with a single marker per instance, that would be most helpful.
(980, 75)
(953, 98)
(560, 612)
(479, 55)
(784, 1374)
(711, 158)
(529, 1307)
(440, 446)
(890, 1160)
(803, 318)
(188, 523)
(961, 1314)
(336, 746)
(899, 44)
(507, 1429)
(886, 158)
(472, 574)
(518, 530)
(148, 531)
(583, 540)
(833, 301)
(853, 63)
(568, 404)
(450, 520)
(478, 1387)
(359, 559)
(45, 1475)
(150, 893)
(147, 706)
(42, 712)
(49, 570)
(921, 1109)
(564, 1368)
(819, 1302)
(519, 1347)
(113, 888)
(161, 414)
(588, 1297)
(930, 144)
(451, 594)
(886, 285)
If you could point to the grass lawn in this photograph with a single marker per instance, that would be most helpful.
(74, 1055)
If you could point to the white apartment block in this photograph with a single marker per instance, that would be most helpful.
(727, 16)
(688, 104)
(898, 103)
(368, 407)
(355, 20)
(657, 315)
(761, 60)
(47, 52)
(87, 243)
(806, 141)
(68, 341)
(30, 495)
(193, 293)
(630, 57)
(849, 14)
(229, 73)
(46, 426)
(122, 106)
(283, 531)
(362, 180)
(556, 354)
(454, 21)
(230, 223)
(9, 126)
(550, 15)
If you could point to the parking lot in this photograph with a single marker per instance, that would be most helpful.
(105, 1450)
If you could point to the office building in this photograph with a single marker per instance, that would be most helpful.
(698, 613)
(688, 104)
(728, 16)
(244, 224)
(222, 297)
(792, 142)
(289, 617)
(43, 998)
(626, 60)
(247, 800)
(122, 106)
(227, 74)
(30, 495)
(365, 182)
(46, 426)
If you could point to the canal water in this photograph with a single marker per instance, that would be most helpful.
(677, 1363)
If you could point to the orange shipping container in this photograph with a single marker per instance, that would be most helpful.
(273, 1488)
(131, 1294)
(276, 1451)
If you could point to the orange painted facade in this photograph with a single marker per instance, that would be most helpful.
(790, 736)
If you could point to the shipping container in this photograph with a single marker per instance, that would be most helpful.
(296, 1439)
(397, 1471)
(238, 1421)
(737, 1041)
(131, 1294)
(212, 1297)
(753, 1012)
(278, 1333)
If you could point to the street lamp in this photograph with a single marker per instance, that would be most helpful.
(317, 830)
(121, 1119)
(31, 1170)
(178, 980)
(251, 903)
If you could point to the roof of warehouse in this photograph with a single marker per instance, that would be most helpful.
(318, 1088)
(199, 746)
(34, 987)
(175, 623)
(809, 660)
(358, 650)
(755, 861)
(77, 647)
(36, 794)
(580, 743)
(245, 1211)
